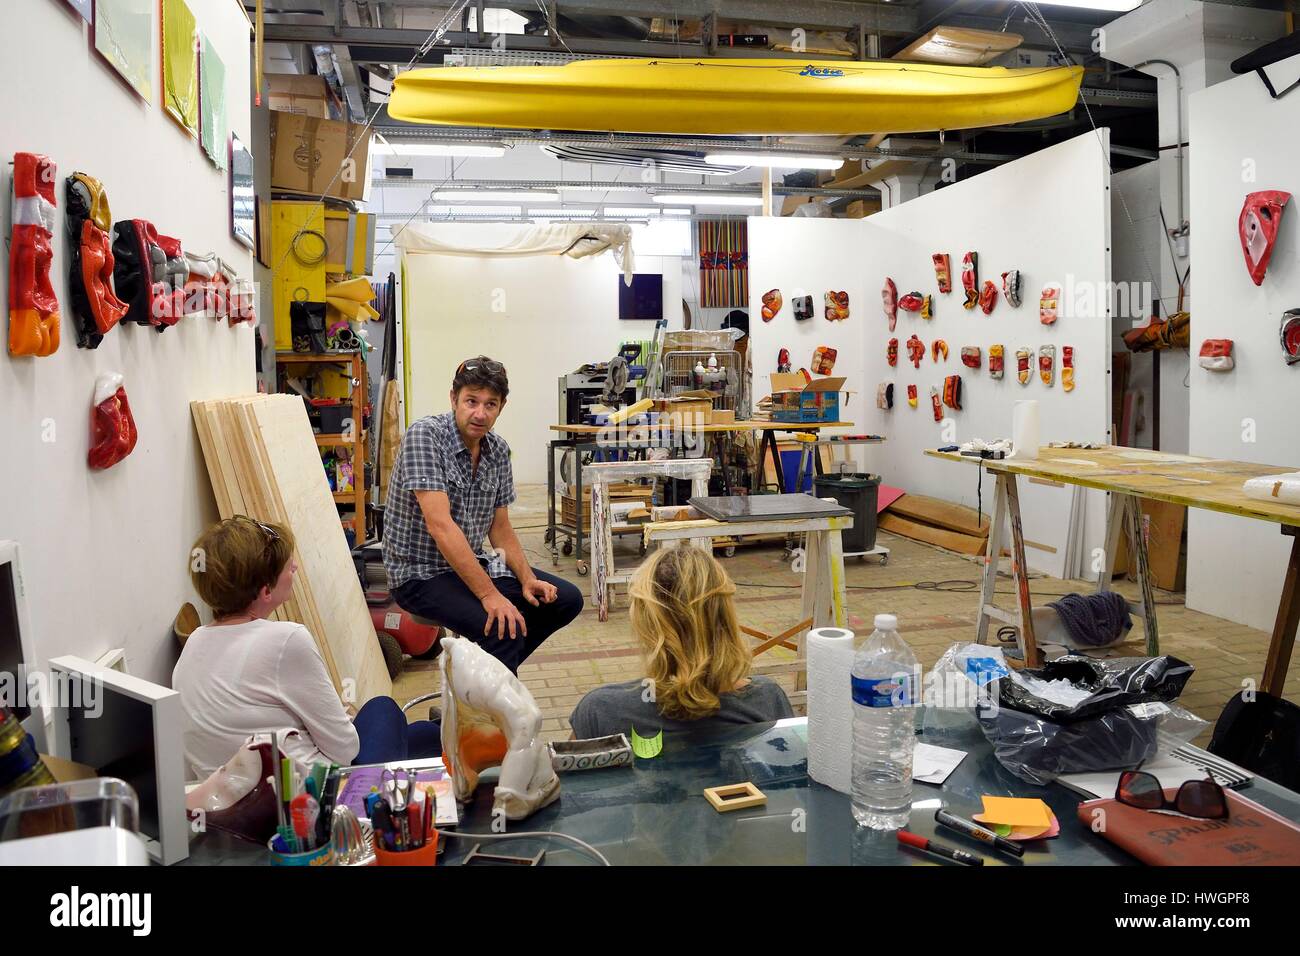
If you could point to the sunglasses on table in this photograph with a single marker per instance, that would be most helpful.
(1195, 798)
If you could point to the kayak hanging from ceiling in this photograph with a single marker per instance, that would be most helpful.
(734, 96)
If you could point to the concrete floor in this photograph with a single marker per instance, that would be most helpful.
(589, 653)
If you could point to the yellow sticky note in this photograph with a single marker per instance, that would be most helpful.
(1017, 811)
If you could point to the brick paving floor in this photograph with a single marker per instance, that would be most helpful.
(589, 653)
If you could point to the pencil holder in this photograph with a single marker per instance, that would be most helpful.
(323, 855)
(426, 855)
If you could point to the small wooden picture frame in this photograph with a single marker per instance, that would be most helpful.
(735, 796)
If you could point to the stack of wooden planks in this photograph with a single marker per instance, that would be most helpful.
(263, 461)
(951, 526)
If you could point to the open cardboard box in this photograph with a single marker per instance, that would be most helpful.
(815, 401)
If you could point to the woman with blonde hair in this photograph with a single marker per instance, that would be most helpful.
(697, 664)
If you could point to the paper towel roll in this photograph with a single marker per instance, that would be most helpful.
(1024, 429)
(830, 707)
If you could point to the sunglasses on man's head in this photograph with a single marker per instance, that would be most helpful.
(1195, 798)
(489, 366)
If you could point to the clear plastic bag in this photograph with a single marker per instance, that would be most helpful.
(965, 677)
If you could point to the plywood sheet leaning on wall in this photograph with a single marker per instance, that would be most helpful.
(929, 534)
(263, 462)
(942, 514)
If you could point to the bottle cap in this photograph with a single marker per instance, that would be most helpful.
(886, 622)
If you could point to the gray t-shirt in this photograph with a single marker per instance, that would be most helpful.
(617, 708)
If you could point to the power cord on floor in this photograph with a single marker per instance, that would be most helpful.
(532, 834)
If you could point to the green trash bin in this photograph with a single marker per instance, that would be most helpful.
(859, 493)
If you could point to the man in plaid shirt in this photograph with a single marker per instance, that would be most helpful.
(451, 488)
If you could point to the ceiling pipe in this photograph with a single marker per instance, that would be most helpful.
(1178, 97)
(747, 189)
(433, 134)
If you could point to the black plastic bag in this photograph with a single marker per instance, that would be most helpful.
(1117, 726)
(1113, 681)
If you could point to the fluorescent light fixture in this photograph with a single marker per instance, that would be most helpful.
(705, 199)
(563, 213)
(495, 195)
(774, 160)
(473, 150)
(1114, 6)
(442, 212)
(631, 211)
(676, 212)
(597, 187)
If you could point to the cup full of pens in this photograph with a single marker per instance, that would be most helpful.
(304, 807)
(402, 812)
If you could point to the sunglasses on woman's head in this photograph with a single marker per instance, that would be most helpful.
(1195, 798)
(272, 536)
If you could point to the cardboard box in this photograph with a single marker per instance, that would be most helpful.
(684, 410)
(790, 203)
(314, 156)
(350, 242)
(295, 93)
(861, 208)
(722, 416)
(794, 400)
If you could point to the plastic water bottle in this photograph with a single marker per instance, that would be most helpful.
(886, 680)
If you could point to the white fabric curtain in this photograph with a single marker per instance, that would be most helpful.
(574, 239)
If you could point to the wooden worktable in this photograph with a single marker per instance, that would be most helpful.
(1210, 483)
(1130, 474)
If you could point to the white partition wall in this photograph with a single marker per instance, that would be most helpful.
(1242, 141)
(1046, 215)
(540, 316)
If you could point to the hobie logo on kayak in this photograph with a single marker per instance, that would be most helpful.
(820, 71)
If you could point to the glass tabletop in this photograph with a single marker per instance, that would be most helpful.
(766, 507)
(655, 812)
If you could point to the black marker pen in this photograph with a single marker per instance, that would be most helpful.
(972, 829)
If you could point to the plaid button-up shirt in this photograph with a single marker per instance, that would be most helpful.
(433, 457)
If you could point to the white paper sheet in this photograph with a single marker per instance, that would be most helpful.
(931, 764)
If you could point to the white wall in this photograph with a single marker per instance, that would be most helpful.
(542, 317)
(106, 553)
(1234, 565)
(1047, 215)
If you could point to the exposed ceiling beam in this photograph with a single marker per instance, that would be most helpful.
(808, 14)
(378, 45)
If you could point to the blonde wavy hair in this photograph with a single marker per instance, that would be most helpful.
(684, 615)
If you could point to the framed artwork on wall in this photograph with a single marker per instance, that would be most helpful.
(212, 104)
(243, 199)
(124, 37)
(180, 64)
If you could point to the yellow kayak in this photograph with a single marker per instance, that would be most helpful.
(734, 96)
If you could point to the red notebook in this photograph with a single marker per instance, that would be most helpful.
(1252, 835)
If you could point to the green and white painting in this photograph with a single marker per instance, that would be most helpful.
(124, 37)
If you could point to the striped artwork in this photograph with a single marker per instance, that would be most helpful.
(724, 264)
